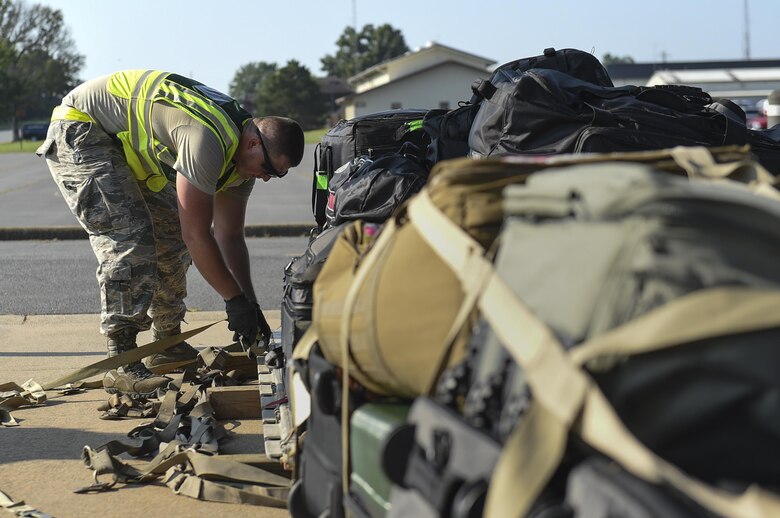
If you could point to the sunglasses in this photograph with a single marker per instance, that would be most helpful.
(268, 167)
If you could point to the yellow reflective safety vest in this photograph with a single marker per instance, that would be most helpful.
(147, 157)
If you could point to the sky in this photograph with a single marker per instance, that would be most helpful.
(192, 38)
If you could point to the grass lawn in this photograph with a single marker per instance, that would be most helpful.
(24, 146)
(314, 136)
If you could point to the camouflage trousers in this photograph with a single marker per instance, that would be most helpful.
(134, 232)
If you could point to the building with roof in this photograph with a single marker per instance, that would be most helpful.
(743, 81)
(433, 76)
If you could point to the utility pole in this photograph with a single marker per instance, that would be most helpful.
(355, 38)
(747, 31)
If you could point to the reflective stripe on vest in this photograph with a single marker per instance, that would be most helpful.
(69, 114)
(148, 158)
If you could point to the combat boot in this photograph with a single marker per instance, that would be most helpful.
(179, 356)
(135, 379)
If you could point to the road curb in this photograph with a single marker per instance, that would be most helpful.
(72, 233)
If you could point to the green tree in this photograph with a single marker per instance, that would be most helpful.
(292, 92)
(358, 51)
(609, 59)
(246, 83)
(38, 61)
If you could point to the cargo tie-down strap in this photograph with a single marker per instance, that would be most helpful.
(19, 508)
(183, 438)
(567, 400)
(31, 393)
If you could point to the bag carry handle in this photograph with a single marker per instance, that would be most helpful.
(482, 89)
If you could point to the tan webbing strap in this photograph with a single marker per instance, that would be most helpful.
(183, 483)
(13, 396)
(126, 358)
(363, 270)
(461, 253)
(559, 387)
(467, 260)
(453, 246)
(700, 315)
(466, 308)
(167, 409)
(20, 508)
(601, 428)
(536, 349)
(214, 466)
(537, 445)
(522, 472)
(698, 162)
(257, 486)
(32, 393)
(306, 343)
(300, 400)
(549, 371)
(253, 459)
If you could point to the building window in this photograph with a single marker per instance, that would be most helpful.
(395, 106)
(444, 105)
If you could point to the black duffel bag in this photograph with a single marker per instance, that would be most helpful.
(550, 112)
(765, 145)
(369, 136)
(373, 191)
(449, 130)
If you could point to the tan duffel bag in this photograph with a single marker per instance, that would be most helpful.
(393, 297)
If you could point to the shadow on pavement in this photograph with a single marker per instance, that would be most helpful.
(24, 442)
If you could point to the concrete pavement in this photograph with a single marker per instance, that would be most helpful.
(31, 206)
(40, 459)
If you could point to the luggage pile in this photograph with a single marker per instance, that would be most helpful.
(577, 317)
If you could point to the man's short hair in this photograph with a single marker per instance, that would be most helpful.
(286, 137)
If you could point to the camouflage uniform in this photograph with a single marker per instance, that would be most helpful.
(134, 232)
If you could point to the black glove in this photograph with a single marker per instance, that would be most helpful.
(265, 329)
(242, 319)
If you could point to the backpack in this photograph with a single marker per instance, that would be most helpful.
(574, 62)
(299, 276)
(449, 130)
(368, 135)
(372, 190)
